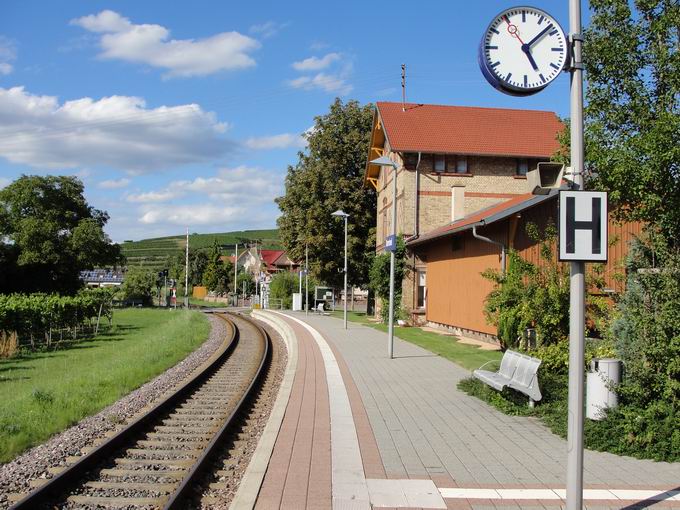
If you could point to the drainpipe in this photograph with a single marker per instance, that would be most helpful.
(491, 241)
(416, 208)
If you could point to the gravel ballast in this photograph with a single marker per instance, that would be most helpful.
(15, 476)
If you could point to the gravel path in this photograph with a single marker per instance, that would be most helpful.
(16, 475)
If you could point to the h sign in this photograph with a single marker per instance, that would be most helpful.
(391, 243)
(583, 226)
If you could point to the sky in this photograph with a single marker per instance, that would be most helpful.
(187, 114)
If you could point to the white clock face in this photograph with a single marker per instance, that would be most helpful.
(524, 48)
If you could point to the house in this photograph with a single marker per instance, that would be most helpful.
(456, 254)
(256, 261)
(453, 162)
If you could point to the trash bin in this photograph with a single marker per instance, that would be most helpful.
(604, 373)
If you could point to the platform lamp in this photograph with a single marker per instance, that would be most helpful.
(342, 214)
(391, 246)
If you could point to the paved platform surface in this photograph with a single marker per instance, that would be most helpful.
(421, 442)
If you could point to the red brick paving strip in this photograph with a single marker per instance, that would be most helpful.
(299, 472)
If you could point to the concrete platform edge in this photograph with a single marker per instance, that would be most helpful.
(249, 488)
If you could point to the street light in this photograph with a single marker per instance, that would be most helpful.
(385, 161)
(343, 214)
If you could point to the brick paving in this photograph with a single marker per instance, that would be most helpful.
(424, 428)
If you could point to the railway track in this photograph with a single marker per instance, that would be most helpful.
(154, 461)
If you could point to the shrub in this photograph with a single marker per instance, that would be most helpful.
(379, 279)
(282, 286)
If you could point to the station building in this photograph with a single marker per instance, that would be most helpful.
(462, 200)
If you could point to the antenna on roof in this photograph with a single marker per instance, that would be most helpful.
(403, 87)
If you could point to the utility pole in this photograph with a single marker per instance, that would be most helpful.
(306, 279)
(577, 278)
(186, 274)
(403, 87)
(236, 275)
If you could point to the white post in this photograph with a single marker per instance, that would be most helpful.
(390, 326)
(186, 274)
(306, 279)
(577, 280)
(236, 275)
(345, 294)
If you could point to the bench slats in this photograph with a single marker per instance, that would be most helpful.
(517, 371)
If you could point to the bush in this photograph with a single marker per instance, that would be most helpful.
(379, 279)
(282, 286)
(138, 285)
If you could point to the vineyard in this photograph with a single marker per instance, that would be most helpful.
(155, 253)
(42, 319)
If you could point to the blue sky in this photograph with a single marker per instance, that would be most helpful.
(178, 113)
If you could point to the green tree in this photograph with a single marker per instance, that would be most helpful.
(139, 284)
(49, 233)
(218, 275)
(632, 66)
(282, 286)
(198, 261)
(328, 177)
(245, 278)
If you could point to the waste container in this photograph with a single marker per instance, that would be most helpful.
(604, 374)
(297, 302)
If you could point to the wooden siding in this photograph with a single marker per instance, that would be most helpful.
(456, 291)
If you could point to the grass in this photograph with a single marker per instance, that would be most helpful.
(42, 393)
(446, 346)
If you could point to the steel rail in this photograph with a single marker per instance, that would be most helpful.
(73, 474)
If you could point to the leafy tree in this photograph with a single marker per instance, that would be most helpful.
(218, 275)
(49, 233)
(138, 285)
(282, 286)
(198, 261)
(328, 177)
(633, 113)
(245, 278)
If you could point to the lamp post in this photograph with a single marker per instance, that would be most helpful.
(343, 214)
(385, 161)
(306, 279)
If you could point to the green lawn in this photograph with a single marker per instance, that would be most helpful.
(467, 356)
(45, 392)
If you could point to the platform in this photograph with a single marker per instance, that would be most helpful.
(362, 431)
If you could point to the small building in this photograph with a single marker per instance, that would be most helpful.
(456, 254)
(453, 162)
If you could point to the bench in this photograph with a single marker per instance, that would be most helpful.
(319, 309)
(517, 371)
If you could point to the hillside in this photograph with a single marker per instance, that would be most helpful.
(154, 253)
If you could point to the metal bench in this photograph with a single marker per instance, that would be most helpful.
(319, 309)
(517, 371)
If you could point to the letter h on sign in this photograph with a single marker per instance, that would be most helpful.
(583, 226)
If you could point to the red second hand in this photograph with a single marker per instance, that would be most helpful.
(514, 33)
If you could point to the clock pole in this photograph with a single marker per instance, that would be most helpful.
(577, 278)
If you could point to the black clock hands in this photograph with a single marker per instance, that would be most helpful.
(526, 48)
(538, 36)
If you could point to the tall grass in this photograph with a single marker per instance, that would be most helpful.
(45, 392)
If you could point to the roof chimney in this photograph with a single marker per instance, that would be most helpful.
(457, 202)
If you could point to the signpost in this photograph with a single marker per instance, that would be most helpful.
(521, 52)
(391, 243)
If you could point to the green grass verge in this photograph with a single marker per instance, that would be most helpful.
(447, 346)
(43, 393)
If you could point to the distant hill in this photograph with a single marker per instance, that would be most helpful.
(153, 253)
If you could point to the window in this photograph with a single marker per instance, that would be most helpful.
(410, 160)
(522, 167)
(439, 163)
(461, 165)
(422, 289)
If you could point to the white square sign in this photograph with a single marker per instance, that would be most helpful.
(583, 226)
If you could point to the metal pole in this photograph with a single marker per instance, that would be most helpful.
(577, 280)
(186, 274)
(306, 279)
(345, 294)
(236, 274)
(390, 326)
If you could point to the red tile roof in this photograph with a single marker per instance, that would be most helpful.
(271, 256)
(485, 216)
(469, 130)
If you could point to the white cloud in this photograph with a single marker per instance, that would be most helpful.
(114, 183)
(8, 54)
(192, 214)
(316, 63)
(4, 181)
(333, 81)
(153, 196)
(243, 184)
(115, 132)
(267, 29)
(282, 141)
(151, 45)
